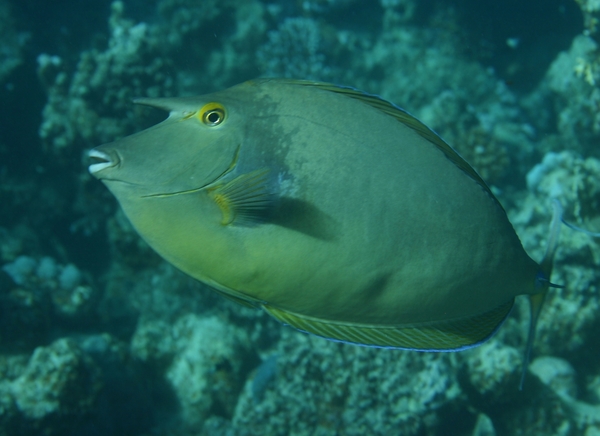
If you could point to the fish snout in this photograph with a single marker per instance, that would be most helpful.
(102, 160)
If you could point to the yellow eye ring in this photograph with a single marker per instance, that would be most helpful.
(212, 114)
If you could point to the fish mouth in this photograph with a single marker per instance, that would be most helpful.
(102, 160)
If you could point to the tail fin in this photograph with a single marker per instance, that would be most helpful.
(536, 301)
(557, 219)
(579, 229)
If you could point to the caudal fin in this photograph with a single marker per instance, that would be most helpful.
(536, 301)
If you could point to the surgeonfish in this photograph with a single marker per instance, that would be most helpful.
(333, 210)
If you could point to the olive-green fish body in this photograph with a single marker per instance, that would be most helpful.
(337, 212)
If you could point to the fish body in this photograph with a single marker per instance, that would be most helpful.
(335, 211)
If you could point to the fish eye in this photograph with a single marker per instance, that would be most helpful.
(213, 117)
(212, 114)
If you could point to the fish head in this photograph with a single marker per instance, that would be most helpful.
(185, 182)
(195, 146)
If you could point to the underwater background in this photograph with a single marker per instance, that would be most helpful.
(99, 336)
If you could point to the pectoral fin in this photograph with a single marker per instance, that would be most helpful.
(245, 200)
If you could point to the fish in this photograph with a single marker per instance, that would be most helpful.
(333, 210)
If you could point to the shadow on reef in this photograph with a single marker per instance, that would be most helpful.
(129, 401)
(85, 386)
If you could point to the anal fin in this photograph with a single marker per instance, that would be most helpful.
(452, 335)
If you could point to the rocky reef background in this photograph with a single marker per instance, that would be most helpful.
(99, 336)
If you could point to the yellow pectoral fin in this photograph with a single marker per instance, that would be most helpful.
(244, 200)
(450, 335)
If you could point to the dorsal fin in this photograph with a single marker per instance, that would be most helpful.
(406, 119)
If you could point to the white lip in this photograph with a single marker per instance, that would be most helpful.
(94, 168)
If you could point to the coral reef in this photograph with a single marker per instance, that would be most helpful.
(572, 82)
(591, 15)
(53, 392)
(325, 388)
(94, 105)
(58, 384)
(494, 370)
(63, 284)
(41, 293)
(205, 358)
(294, 50)
(569, 317)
